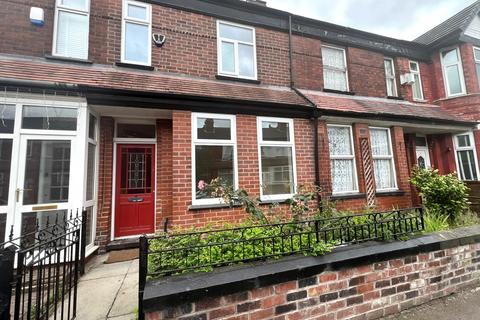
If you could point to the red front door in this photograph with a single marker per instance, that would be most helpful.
(135, 193)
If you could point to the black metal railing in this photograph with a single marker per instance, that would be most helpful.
(42, 267)
(170, 254)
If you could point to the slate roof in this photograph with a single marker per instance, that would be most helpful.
(336, 104)
(458, 22)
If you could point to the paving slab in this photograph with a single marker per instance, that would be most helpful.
(127, 297)
(107, 270)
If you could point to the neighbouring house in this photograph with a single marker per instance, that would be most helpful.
(127, 108)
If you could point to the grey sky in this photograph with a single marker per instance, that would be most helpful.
(403, 19)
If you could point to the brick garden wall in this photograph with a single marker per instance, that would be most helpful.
(369, 291)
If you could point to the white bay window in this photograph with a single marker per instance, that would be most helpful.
(453, 72)
(277, 158)
(383, 162)
(214, 155)
(390, 77)
(236, 50)
(136, 33)
(466, 157)
(71, 29)
(417, 86)
(342, 159)
(334, 68)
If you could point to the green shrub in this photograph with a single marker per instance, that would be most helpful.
(435, 221)
(444, 194)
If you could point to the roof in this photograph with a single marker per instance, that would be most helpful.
(458, 22)
(338, 104)
(145, 82)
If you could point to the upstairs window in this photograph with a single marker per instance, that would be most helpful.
(452, 72)
(466, 157)
(383, 163)
(342, 159)
(71, 29)
(334, 68)
(236, 51)
(390, 77)
(417, 86)
(136, 33)
(476, 53)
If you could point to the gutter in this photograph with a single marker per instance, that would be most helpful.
(39, 84)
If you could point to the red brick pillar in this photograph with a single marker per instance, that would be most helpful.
(164, 172)
(105, 175)
(361, 131)
(402, 66)
(400, 156)
(469, 68)
(412, 163)
(324, 160)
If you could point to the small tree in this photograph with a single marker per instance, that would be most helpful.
(442, 194)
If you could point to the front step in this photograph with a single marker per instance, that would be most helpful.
(123, 244)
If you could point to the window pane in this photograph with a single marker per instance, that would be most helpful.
(31, 219)
(477, 54)
(47, 172)
(339, 141)
(413, 66)
(7, 118)
(3, 227)
(127, 130)
(89, 237)
(246, 60)
(72, 35)
(383, 174)
(228, 57)
(277, 170)
(477, 66)
(463, 141)
(90, 171)
(388, 67)
(380, 143)
(450, 57)
(212, 162)
(5, 164)
(92, 127)
(236, 33)
(137, 165)
(468, 170)
(453, 78)
(137, 12)
(343, 178)
(137, 42)
(391, 87)
(49, 118)
(333, 57)
(214, 129)
(75, 4)
(417, 88)
(275, 131)
(335, 80)
(420, 141)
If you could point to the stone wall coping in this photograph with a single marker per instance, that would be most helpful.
(180, 289)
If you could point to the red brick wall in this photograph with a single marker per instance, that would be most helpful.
(307, 63)
(467, 107)
(366, 72)
(164, 172)
(469, 70)
(370, 291)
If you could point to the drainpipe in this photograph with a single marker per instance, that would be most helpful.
(314, 118)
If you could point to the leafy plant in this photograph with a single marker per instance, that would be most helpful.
(436, 221)
(444, 194)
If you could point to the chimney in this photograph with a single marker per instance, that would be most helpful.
(262, 3)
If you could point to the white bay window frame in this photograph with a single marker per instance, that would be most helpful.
(416, 74)
(350, 157)
(131, 20)
(213, 142)
(285, 144)
(390, 77)
(61, 8)
(390, 157)
(343, 70)
(476, 57)
(236, 44)
(472, 162)
(459, 65)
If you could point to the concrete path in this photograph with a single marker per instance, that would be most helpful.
(461, 306)
(108, 291)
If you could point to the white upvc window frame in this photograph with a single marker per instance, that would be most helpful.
(390, 157)
(59, 7)
(472, 147)
(416, 72)
(346, 157)
(477, 63)
(460, 70)
(148, 23)
(347, 85)
(286, 144)
(391, 77)
(236, 74)
(213, 142)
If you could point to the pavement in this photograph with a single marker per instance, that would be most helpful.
(108, 291)
(464, 305)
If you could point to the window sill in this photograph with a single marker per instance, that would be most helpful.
(265, 202)
(394, 193)
(395, 98)
(229, 78)
(198, 207)
(67, 59)
(134, 66)
(349, 93)
(347, 196)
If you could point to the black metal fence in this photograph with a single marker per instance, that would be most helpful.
(170, 254)
(40, 270)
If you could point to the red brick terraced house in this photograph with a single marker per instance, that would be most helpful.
(127, 107)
